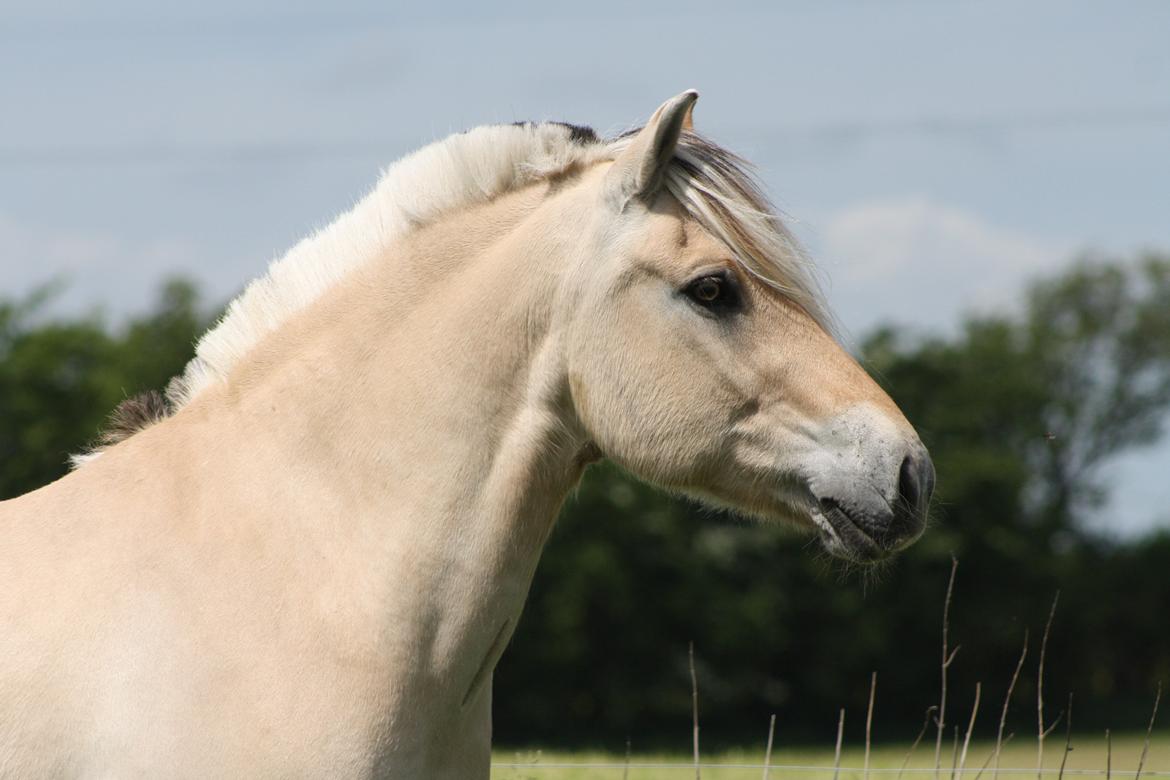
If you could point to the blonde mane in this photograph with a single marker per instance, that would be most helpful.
(464, 169)
(714, 186)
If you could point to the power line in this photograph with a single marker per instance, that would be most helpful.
(963, 128)
(780, 768)
(251, 153)
(1079, 119)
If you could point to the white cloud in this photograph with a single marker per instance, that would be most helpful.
(916, 262)
(922, 263)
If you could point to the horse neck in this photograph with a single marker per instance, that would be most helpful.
(426, 396)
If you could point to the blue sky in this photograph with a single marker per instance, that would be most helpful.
(933, 156)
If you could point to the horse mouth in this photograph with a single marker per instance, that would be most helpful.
(843, 536)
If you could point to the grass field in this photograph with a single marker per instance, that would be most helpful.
(1088, 753)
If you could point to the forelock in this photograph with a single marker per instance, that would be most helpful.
(719, 190)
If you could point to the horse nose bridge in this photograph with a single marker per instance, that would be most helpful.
(879, 438)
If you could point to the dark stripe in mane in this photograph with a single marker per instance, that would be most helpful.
(578, 134)
(133, 415)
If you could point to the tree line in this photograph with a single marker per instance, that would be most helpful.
(1022, 411)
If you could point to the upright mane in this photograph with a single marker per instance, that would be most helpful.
(713, 185)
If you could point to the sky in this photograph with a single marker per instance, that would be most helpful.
(933, 156)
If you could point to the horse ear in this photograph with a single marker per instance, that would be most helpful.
(638, 171)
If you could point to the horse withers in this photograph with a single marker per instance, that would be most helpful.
(307, 559)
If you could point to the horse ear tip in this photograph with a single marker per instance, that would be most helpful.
(688, 99)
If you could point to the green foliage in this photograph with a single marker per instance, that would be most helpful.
(59, 379)
(1021, 414)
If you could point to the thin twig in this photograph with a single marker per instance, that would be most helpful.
(1108, 755)
(955, 754)
(869, 724)
(695, 707)
(1007, 699)
(1040, 732)
(1067, 738)
(925, 725)
(1052, 726)
(626, 768)
(768, 750)
(837, 753)
(947, 657)
(986, 763)
(1007, 740)
(1149, 730)
(970, 728)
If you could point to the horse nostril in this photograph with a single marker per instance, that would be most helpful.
(916, 481)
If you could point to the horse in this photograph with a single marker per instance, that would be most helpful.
(308, 556)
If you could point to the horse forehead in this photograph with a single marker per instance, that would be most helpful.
(672, 232)
(698, 238)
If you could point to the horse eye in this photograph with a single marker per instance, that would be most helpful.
(707, 289)
(714, 292)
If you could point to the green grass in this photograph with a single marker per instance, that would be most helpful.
(1088, 754)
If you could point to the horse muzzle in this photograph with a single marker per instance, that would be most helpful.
(863, 527)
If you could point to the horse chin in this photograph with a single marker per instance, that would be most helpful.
(839, 534)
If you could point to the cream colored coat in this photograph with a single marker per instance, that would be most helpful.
(311, 569)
